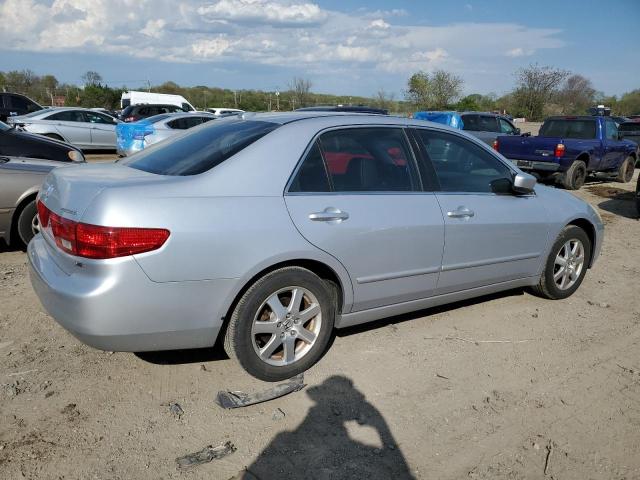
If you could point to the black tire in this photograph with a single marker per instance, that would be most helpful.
(24, 225)
(625, 171)
(638, 196)
(574, 178)
(547, 286)
(55, 136)
(239, 341)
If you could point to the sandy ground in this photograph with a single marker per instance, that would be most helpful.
(503, 387)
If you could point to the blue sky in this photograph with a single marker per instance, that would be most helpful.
(343, 46)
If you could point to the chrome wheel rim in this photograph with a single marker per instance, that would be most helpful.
(568, 264)
(35, 225)
(286, 326)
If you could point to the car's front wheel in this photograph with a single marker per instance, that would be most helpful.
(566, 265)
(282, 324)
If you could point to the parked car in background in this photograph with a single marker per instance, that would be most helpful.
(82, 127)
(20, 181)
(135, 136)
(273, 229)
(487, 126)
(133, 113)
(17, 143)
(134, 97)
(224, 112)
(451, 119)
(344, 108)
(13, 104)
(634, 118)
(570, 147)
(105, 111)
(619, 119)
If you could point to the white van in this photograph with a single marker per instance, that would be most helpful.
(133, 97)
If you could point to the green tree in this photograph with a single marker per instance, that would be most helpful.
(433, 92)
(535, 87)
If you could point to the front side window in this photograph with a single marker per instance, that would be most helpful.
(506, 127)
(462, 166)
(201, 149)
(611, 130)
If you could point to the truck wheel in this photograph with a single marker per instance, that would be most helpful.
(282, 324)
(576, 175)
(566, 265)
(625, 171)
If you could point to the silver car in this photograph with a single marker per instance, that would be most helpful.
(81, 127)
(135, 136)
(20, 180)
(271, 230)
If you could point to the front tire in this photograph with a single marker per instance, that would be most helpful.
(282, 324)
(575, 177)
(625, 171)
(28, 224)
(566, 265)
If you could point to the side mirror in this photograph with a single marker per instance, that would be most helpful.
(516, 131)
(524, 183)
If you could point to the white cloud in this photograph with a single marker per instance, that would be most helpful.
(379, 23)
(263, 11)
(519, 52)
(153, 28)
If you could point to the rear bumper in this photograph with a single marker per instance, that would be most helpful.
(534, 165)
(116, 307)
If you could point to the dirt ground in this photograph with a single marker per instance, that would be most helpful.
(503, 387)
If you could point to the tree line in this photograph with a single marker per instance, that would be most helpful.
(539, 91)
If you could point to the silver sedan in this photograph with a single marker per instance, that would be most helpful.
(82, 127)
(135, 136)
(271, 230)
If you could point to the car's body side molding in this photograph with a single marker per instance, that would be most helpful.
(364, 316)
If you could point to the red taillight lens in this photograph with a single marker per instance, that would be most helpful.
(496, 145)
(96, 241)
(559, 152)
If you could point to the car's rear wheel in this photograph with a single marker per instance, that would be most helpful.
(566, 265)
(282, 324)
(28, 224)
(625, 172)
(575, 176)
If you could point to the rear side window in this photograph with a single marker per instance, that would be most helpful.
(480, 123)
(68, 116)
(582, 129)
(358, 160)
(201, 149)
(184, 123)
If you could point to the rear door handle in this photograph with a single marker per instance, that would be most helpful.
(329, 214)
(461, 212)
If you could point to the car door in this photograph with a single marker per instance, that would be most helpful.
(506, 128)
(72, 126)
(357, 196)
(103, 130)
(614, 148)
(491, 234)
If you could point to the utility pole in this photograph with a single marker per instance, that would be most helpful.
(148, 86)
(277, 100)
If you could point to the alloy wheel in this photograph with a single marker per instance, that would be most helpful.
(286, 326)
(568, 264)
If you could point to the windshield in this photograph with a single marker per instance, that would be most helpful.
(201, 149)
(581, 129)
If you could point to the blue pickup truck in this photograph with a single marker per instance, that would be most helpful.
(571, 147)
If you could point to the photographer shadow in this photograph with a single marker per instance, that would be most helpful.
(323, 447)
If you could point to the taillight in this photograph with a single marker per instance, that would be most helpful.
(559, 151)
(496, 145)
(130, 119)
(99, 242)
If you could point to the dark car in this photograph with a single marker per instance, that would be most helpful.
(12, 104)
(487, 126)
(16, 143)
(133, 113)
(344, 108)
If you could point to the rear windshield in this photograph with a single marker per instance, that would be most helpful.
(200, 149)
(583, 129)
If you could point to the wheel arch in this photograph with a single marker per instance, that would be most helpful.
(590, 229)
(584, 157)
(24, 200)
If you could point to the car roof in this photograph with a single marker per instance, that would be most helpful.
(173, 116)
(489, 114)
(575, 117)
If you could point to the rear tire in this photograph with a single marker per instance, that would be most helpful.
(566, 265)
(576, 175)
(625, 171)
(279, 342)
(27, 225)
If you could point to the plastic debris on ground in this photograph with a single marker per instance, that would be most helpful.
(235, 399)
(205, 455)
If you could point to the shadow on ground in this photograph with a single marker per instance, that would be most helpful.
(619, 201)
(343, 436)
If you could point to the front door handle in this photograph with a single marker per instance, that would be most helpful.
(461, 212)
(329, 214)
